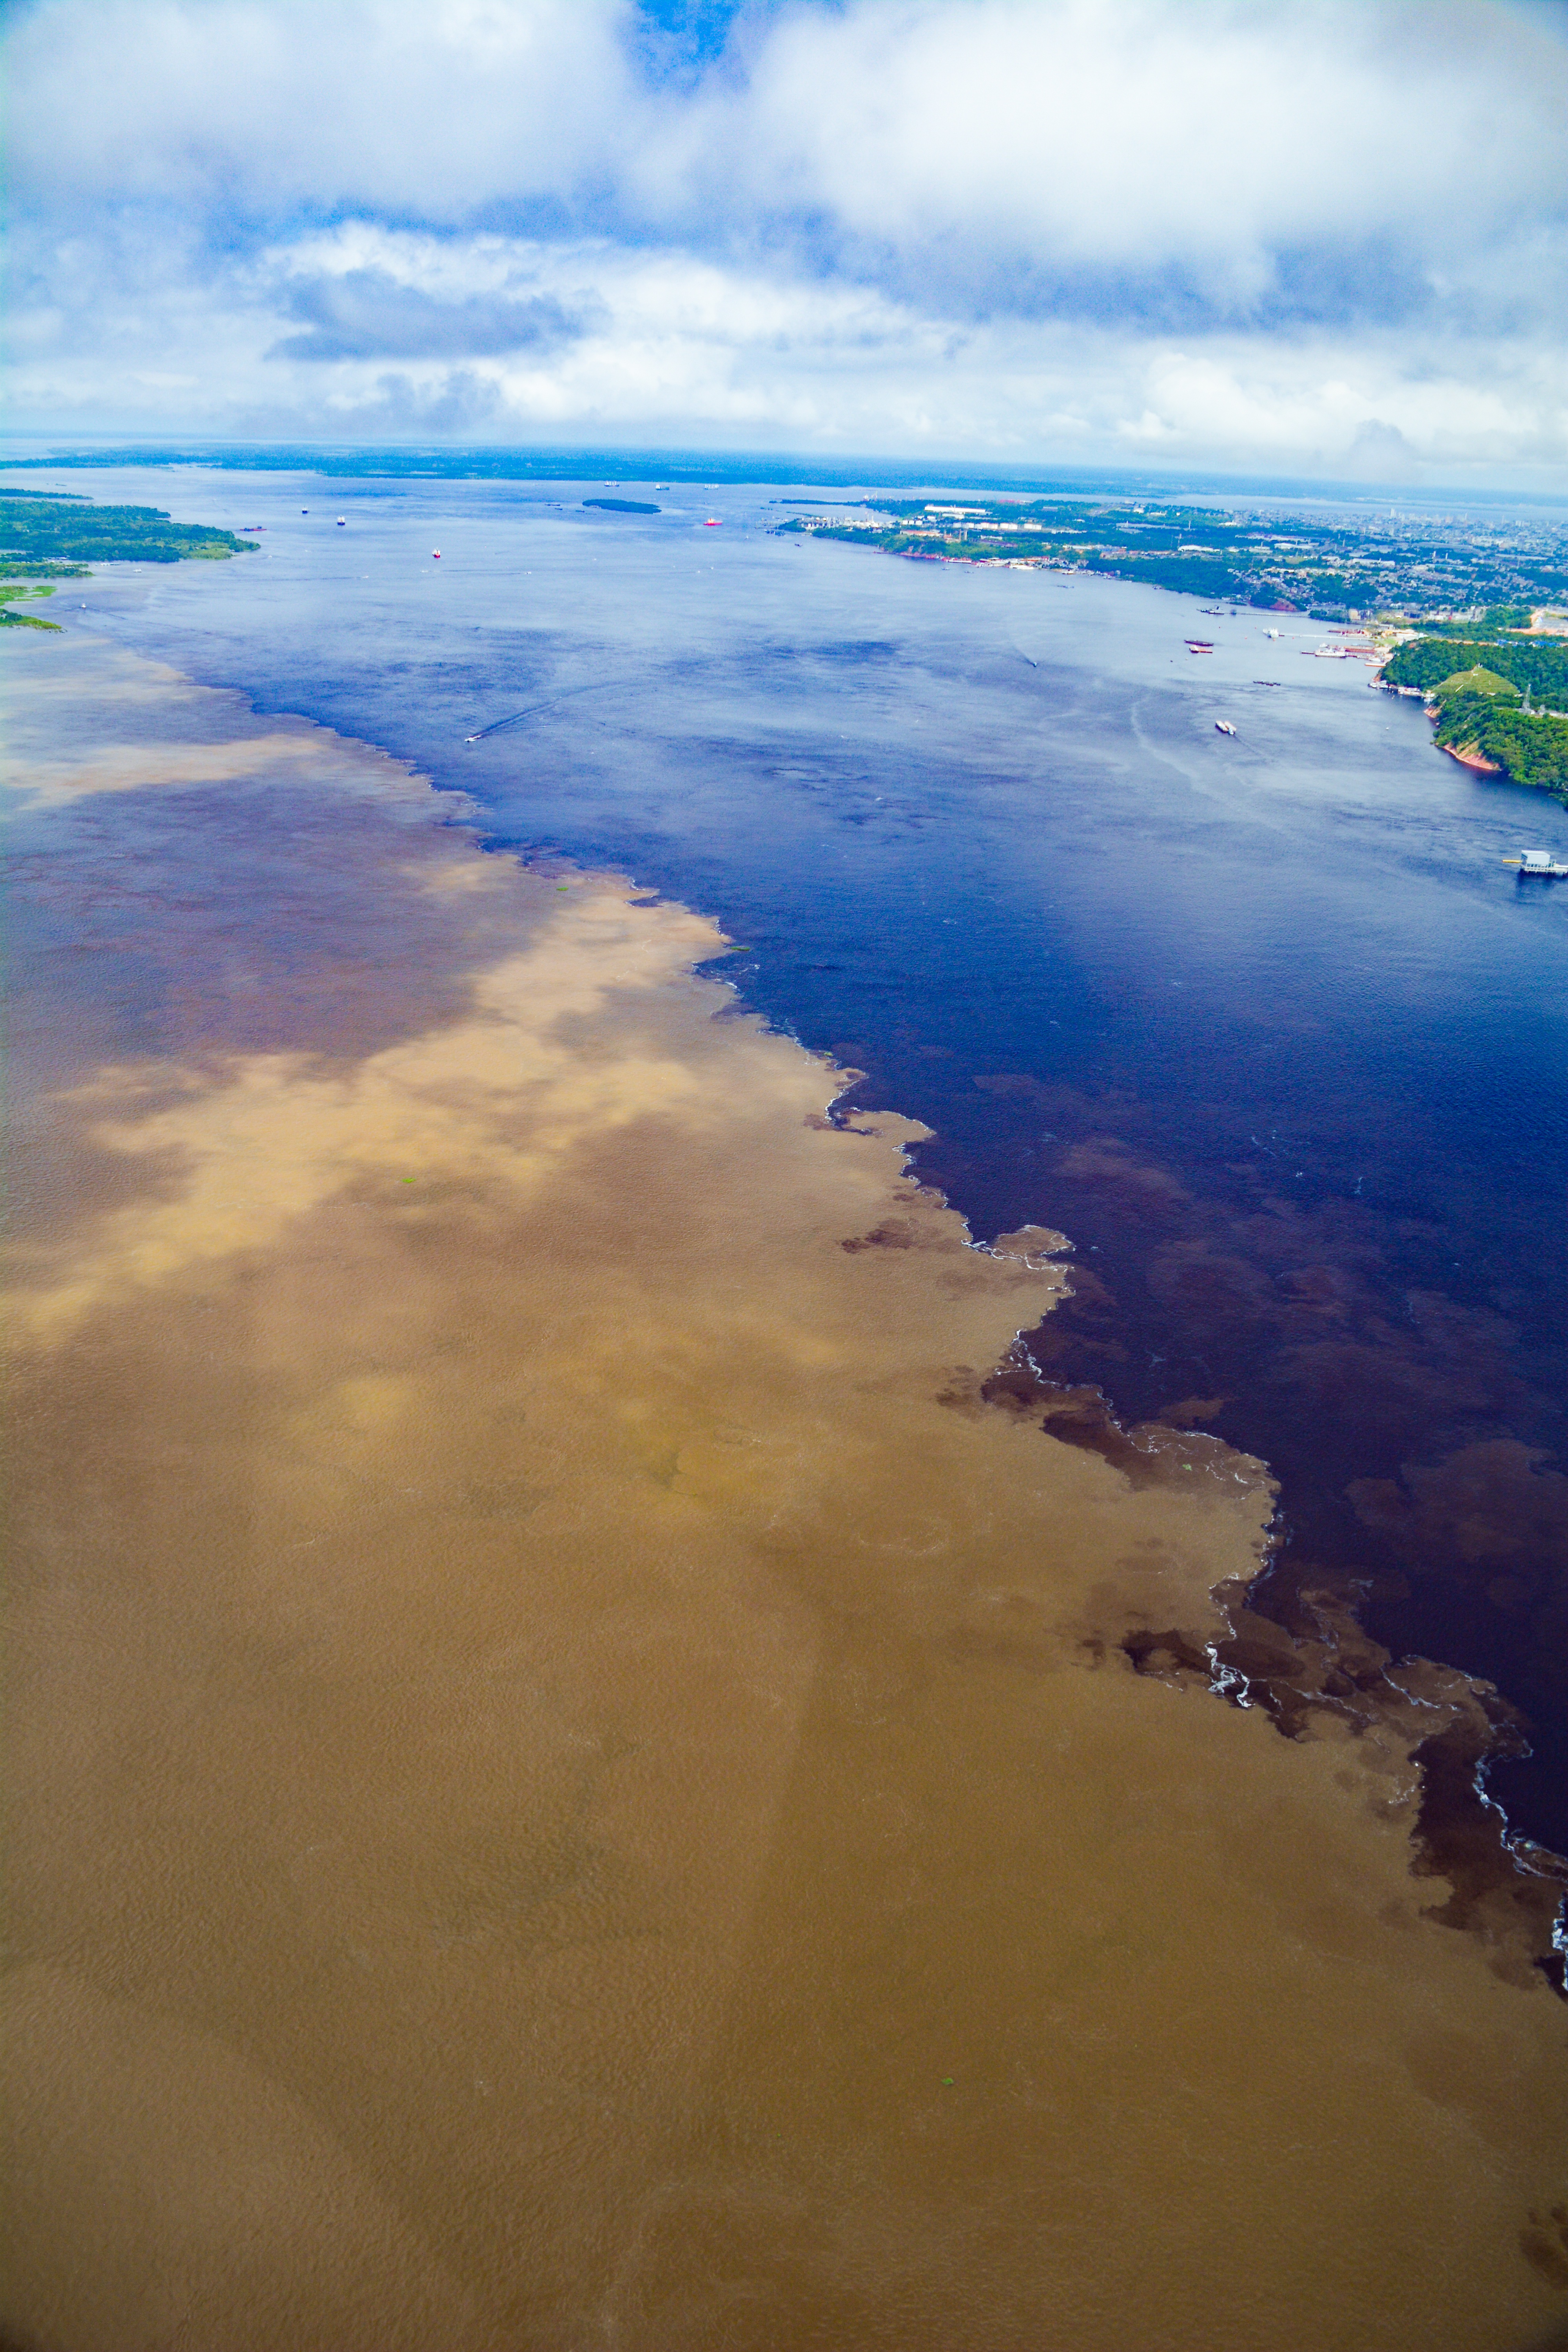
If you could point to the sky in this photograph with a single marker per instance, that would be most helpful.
(1326, 237)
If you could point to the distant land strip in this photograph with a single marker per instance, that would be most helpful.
(1329, 568)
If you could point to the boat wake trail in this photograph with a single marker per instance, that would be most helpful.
(498, 726)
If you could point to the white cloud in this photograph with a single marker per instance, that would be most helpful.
(1071, 135)
(1256, 235)
(258, 107)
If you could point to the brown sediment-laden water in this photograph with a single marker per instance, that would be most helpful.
(578, 1768)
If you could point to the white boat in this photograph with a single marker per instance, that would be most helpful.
(1224, 726)
(1538, 861)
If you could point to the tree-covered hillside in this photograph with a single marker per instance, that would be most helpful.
(1476, 681)
(1537, 666)
(1502, 696)
(1529, 748)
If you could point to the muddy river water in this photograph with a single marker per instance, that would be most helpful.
(593, 1760)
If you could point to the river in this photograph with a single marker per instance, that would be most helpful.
(1265, 1024)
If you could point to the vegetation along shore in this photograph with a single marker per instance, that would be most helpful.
(1499, 697)
(49, 535)
(1497, 686)
(1334, 568)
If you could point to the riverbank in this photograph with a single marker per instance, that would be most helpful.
(1478, 690)
(576, 1766)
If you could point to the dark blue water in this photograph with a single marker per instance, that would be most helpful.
(1265, 1024)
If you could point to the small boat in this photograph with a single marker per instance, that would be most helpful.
(342, 522)
(1538, 861)
(712, 523)
(1197, 645)
(1224, 726)
(434, 555)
